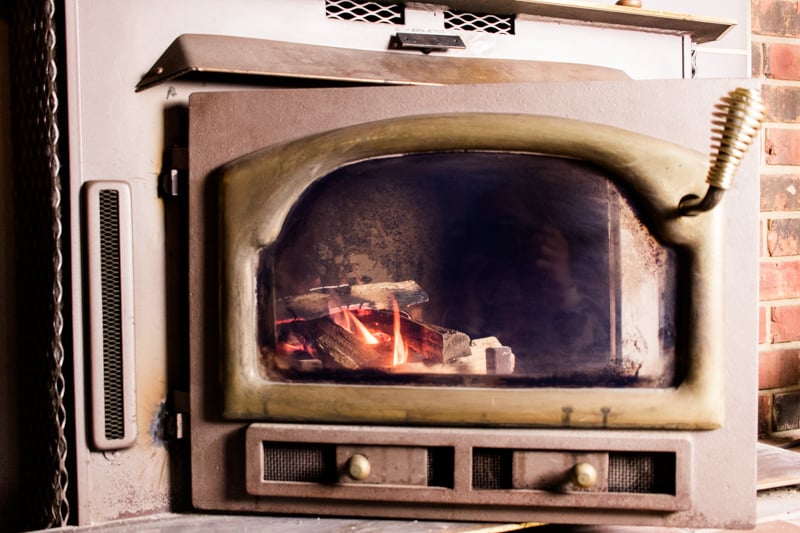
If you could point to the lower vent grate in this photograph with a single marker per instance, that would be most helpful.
(305, 463)
(491, 469)
(441, 464)
(641, 473)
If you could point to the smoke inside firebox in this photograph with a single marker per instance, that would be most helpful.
(469, 268)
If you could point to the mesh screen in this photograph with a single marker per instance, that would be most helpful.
(310, 463)
(644, 473)
(113, 404)
(365, 11)
(486, 23)
(491, 469)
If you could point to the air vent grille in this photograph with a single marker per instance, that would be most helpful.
(641, 473)
(301, 463)
(365, 11)
(113, 399)
(492, 469)
(440, 467)
(486, 23)
(109, 281)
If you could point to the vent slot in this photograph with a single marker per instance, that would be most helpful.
(301, 463)
(492, 469)
(641, 473)
(365, 11)
(110, 292)
(486, 23)
(441, 465)
(111, 297)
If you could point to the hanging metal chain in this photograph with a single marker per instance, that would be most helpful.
(40, 257)
(60, 502)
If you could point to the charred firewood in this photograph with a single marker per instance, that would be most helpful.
(434, 344)
(336, 347)
(322, 301)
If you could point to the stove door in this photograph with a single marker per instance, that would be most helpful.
(227, 126)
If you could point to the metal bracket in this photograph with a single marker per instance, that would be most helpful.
(426, 42)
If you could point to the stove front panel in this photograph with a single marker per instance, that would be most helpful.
(670, 110)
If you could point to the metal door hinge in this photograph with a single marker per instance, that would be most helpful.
(173, 178)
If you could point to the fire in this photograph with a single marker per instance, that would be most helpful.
(349, 321)
(400, 352)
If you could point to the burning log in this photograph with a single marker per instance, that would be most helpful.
(338, 348)
(322, 301)
(367, 340)
(434, 344)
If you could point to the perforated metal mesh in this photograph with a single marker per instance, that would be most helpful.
(113, 400)
(491, 469)
(486, 23)
(641, 473)
(310, 463)
(365, 11)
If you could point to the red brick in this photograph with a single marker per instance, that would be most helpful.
(778, 369)
(779, 281)
(764, 414)
(782, 61)
(780, 192)
(782, 103)
(782, 146)
(785, 322)
(786, 411)
(775, 17)
(757, 51)
(782, 237)
(762, 325)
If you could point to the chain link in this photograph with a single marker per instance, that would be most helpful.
(39, 217)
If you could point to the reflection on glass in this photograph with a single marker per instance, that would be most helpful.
(479, 269)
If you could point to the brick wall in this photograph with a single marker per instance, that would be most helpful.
(776, 61)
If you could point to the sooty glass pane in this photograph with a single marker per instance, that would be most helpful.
(481, 269)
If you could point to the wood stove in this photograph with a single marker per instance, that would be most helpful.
(551, 327)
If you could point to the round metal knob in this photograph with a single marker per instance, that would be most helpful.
(630, 3)
(584, 475)
(358, 467)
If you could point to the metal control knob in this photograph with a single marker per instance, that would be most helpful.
(584, 475)
(358, 467)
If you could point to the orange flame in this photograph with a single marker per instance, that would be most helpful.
(400, 354)
(352, 324)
